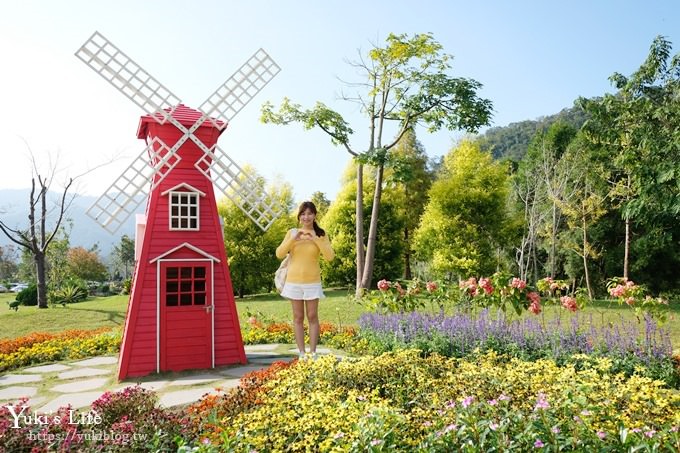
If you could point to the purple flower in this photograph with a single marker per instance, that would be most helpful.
(376, 442)
(539, 444)
(541, 402)
(650, 433)
(555, 430)
(467, 401)
(601, 434)
(492, 402)
(493, 426)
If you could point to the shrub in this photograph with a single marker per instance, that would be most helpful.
(28, 296)
(68, 294)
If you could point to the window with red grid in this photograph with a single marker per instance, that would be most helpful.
(185, 285)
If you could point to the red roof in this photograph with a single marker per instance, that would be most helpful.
(185, 115)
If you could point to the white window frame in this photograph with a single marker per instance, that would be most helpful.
(189, 196)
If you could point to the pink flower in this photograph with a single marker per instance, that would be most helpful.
(569, 303)
(630, 301)
(493, 426)
(555, 430)
(518, 283)
(467, 401)
(383, 285)
(541, 402)
(539, 444)
(601, 434)
(431, 287)
(535, 308)
(534, 297)
(486, 285)
(617, 291)
(650, 433)
(492, 402)
(399, 289)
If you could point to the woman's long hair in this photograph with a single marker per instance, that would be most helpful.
(309, 205)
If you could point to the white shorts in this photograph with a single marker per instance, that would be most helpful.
(302, 291)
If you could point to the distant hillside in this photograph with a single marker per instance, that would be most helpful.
(86, 232)
(511, 141)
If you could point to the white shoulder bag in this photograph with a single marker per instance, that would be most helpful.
(282, 271)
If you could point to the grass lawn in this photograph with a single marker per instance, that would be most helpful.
(338, 308)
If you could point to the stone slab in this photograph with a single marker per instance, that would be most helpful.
(269, 360)
(241, 370)
(11, 379)
(48, 368)
(96, 361)
(15, 392)
(82, 372)
(261, 347)
(318, 350)
(186, 396)
(153, 385)
(195, 379)
(76, 400)
(80, 386)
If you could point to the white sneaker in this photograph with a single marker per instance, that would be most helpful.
(302, 356)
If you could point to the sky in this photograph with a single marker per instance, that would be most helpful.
(533, 58)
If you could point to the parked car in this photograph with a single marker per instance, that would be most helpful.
(19, 287)
(3, 289)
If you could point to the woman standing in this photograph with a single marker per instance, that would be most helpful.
(303, 279)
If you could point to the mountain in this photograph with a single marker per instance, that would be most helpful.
(511, 141)
(85, 232)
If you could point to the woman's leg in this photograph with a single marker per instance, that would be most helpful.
(299, 323)
(313, 321)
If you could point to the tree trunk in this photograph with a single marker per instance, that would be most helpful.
(40, 274)
(554, 240)
(585, 258)
(407, 256)
(373, 230)
(359, 227)
(626, 248)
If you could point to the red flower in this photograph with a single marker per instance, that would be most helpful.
(383, 285)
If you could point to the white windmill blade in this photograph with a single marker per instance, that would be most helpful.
(239, 89)
(240, 187)
(128, 77)
(131, 188)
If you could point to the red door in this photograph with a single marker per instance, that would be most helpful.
(186, 315)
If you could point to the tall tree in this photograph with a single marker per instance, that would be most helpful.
(8, 262)
(408, 179)
(321, 202)
(124, 254)
(466, 219)
(406, 83)
(639, 126)
(43, 224)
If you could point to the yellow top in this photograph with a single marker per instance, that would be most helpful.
(303, 265)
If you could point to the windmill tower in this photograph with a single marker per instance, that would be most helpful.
(182, 313)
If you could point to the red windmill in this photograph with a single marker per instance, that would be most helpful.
(181, 312)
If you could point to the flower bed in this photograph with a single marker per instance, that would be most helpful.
(628, 346)
(41, 347)
(408, 402)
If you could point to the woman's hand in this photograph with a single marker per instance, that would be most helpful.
(305, 235)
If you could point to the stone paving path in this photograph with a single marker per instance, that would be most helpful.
(80, 382)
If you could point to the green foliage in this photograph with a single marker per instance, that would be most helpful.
(250, 251)
(339, 222)
(124, 255)
(85, 264)
(28, 296)
(68, 293)
(465, 220)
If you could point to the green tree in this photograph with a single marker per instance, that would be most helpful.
(408, 179)
(124, 254)
(406, 83)
(638, 125)
(8, 262)
(321, 202)
(339, 222)
(250, 251)
(466, 219)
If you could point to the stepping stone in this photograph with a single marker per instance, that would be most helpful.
(16, 392)
(48, 368)
(241, 370)
(153, 385)
(10, 379)
(31, 403)
(184, 396)
(80, 386)
(82, 372)
(195, 379)
(261, 347)
(269, 360)
(318, 350)
(76, 400)
(96, 361)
